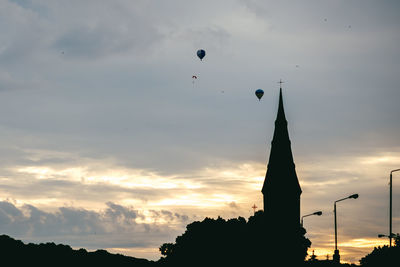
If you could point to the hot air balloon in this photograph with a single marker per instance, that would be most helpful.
(259, 94)
(201, 53)
(194, 78)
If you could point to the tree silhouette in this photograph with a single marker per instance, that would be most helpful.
(16, 253)
(219, 242)
(166, 249)
(383, 256)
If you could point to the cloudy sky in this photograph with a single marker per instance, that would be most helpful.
(105, 142)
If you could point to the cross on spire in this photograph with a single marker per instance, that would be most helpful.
(254, 208)
(280, 83)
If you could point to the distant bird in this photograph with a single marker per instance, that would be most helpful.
(325, 19)
(62, 52)
(297, 66)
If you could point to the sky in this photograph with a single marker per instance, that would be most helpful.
(105, 141)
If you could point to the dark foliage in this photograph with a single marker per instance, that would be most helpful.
(234, 242)
(16, 253)
(383, 256)
(326, 263)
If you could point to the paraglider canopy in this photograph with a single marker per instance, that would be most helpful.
(201, 53)
(259, 94)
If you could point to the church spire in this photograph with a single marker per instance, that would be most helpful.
(281, 132)
(281, 168)
(281, 191)
(281, 111)
(281, 178)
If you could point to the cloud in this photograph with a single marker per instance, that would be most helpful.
(112, 116)
(102, 39)
(7, 82)
(45, 32)
(233, 205)
(111, 98)
(115, 226)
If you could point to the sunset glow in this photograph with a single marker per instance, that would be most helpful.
(107, 141)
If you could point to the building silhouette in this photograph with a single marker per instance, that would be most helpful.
(281, 189)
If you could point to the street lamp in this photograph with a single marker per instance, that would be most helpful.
(336, 255)
(390, 208)
(381, 235)
(319, 213)
(389, 236)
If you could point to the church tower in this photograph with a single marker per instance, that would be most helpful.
(281, 189)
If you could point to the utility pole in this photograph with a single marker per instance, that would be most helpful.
(390, 209)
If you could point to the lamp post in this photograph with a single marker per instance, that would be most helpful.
(319, 213)
(336, 255)
(390, 208)
(389, 236)
(381, 235)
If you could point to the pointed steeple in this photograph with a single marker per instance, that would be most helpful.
(281, 111)
(281, 167)
(281, 132)
(281, 189)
